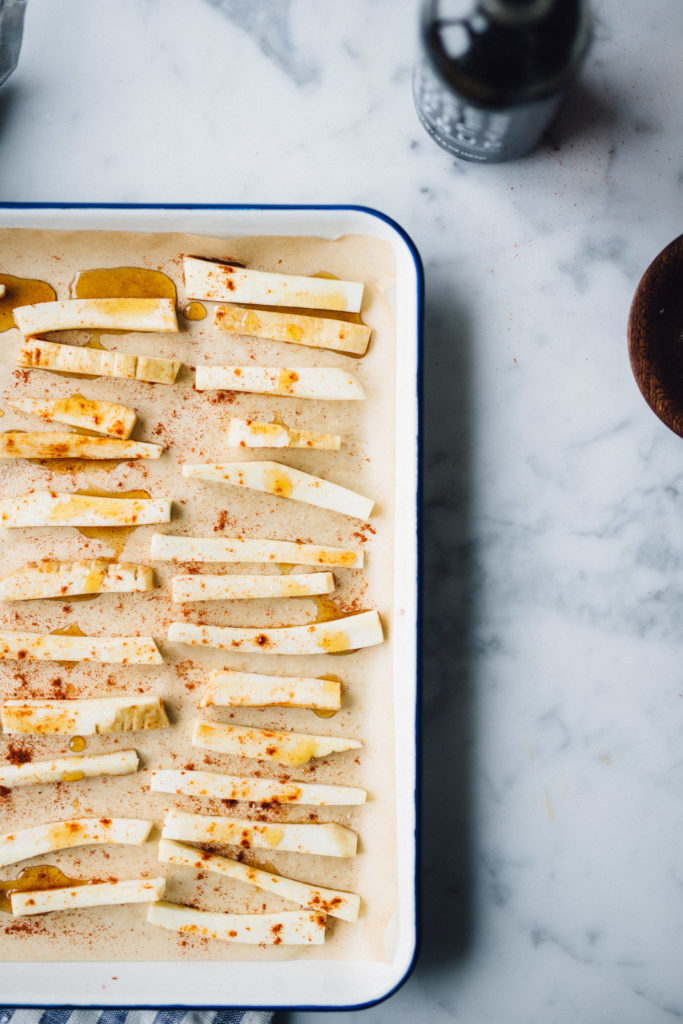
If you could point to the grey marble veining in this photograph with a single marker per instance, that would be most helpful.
(553, 685)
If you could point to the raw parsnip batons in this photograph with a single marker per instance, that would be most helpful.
(316, 331)
(78, 411)
(225, 282)
(118, 650)
(168, 548)
(335, 902)
(50, 355)
(97, 314)
(346, 634)
(291, 748)
(62, 835)
(230, 689)
(68, 769)
(328, 383)
(194, 587)
(284, 482)
(44, 508)
(211, 786)
(83, 716)
(58, 445)
(328, 839)
(289, 928)
(258, 434)
(98, 894)
(66, 579)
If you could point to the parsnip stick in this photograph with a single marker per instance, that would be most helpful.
(328, 383)
(62, 835)
(44, 508)
(68, 769)
(230, 689)
(97, 314)
(316, 331)
(283, 482)
(58, 445)
(99, 894)
(195, 587)
(184, 782)
(83, 716)
(50, 355)
(205, 279)
(169, 548)
(66, 579)
(328, 839)
(291, 748)
(78, 411)
(289, 928)
(257, 434)
(114, 650)
(346, 634)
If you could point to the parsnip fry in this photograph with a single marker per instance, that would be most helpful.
(328, 839)
(58, 445)
(83, 716)
(347, 634)
(100, 894)
(335, 902)
(97, 314)
(209, 785)
(289, 928)
(230, 689)
(328, 383)
(44, 508)
(292, 748)
(117, 650)
(225, 550)
(68, 769)
(195, 587)
(62, 835)
(206, 279)
(66, 579)
(77, 411)
(257, 434)
(316, 331)
(283, 482)
(50, 355)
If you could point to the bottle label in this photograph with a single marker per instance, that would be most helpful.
(474, 133)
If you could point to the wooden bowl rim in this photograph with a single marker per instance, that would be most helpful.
(654, 389)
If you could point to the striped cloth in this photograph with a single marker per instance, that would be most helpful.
(66, 1016)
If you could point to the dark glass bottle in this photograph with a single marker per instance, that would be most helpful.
(492, 73)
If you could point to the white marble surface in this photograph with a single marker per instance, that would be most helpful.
(554, 546)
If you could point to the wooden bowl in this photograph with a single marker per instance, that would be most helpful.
(655, 335)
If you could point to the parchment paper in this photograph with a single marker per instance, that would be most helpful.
(191, 424)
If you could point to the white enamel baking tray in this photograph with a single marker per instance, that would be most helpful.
(288, 984)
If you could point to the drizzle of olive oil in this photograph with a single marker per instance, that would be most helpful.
(114, 536)
(330, 677)
(122, 283)
(285, 567)
(194, 310)
(73, 630)
(42, 877)
(77, 744)
(327, 610)
(21, 291)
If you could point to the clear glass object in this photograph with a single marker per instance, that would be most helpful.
(11, 30)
